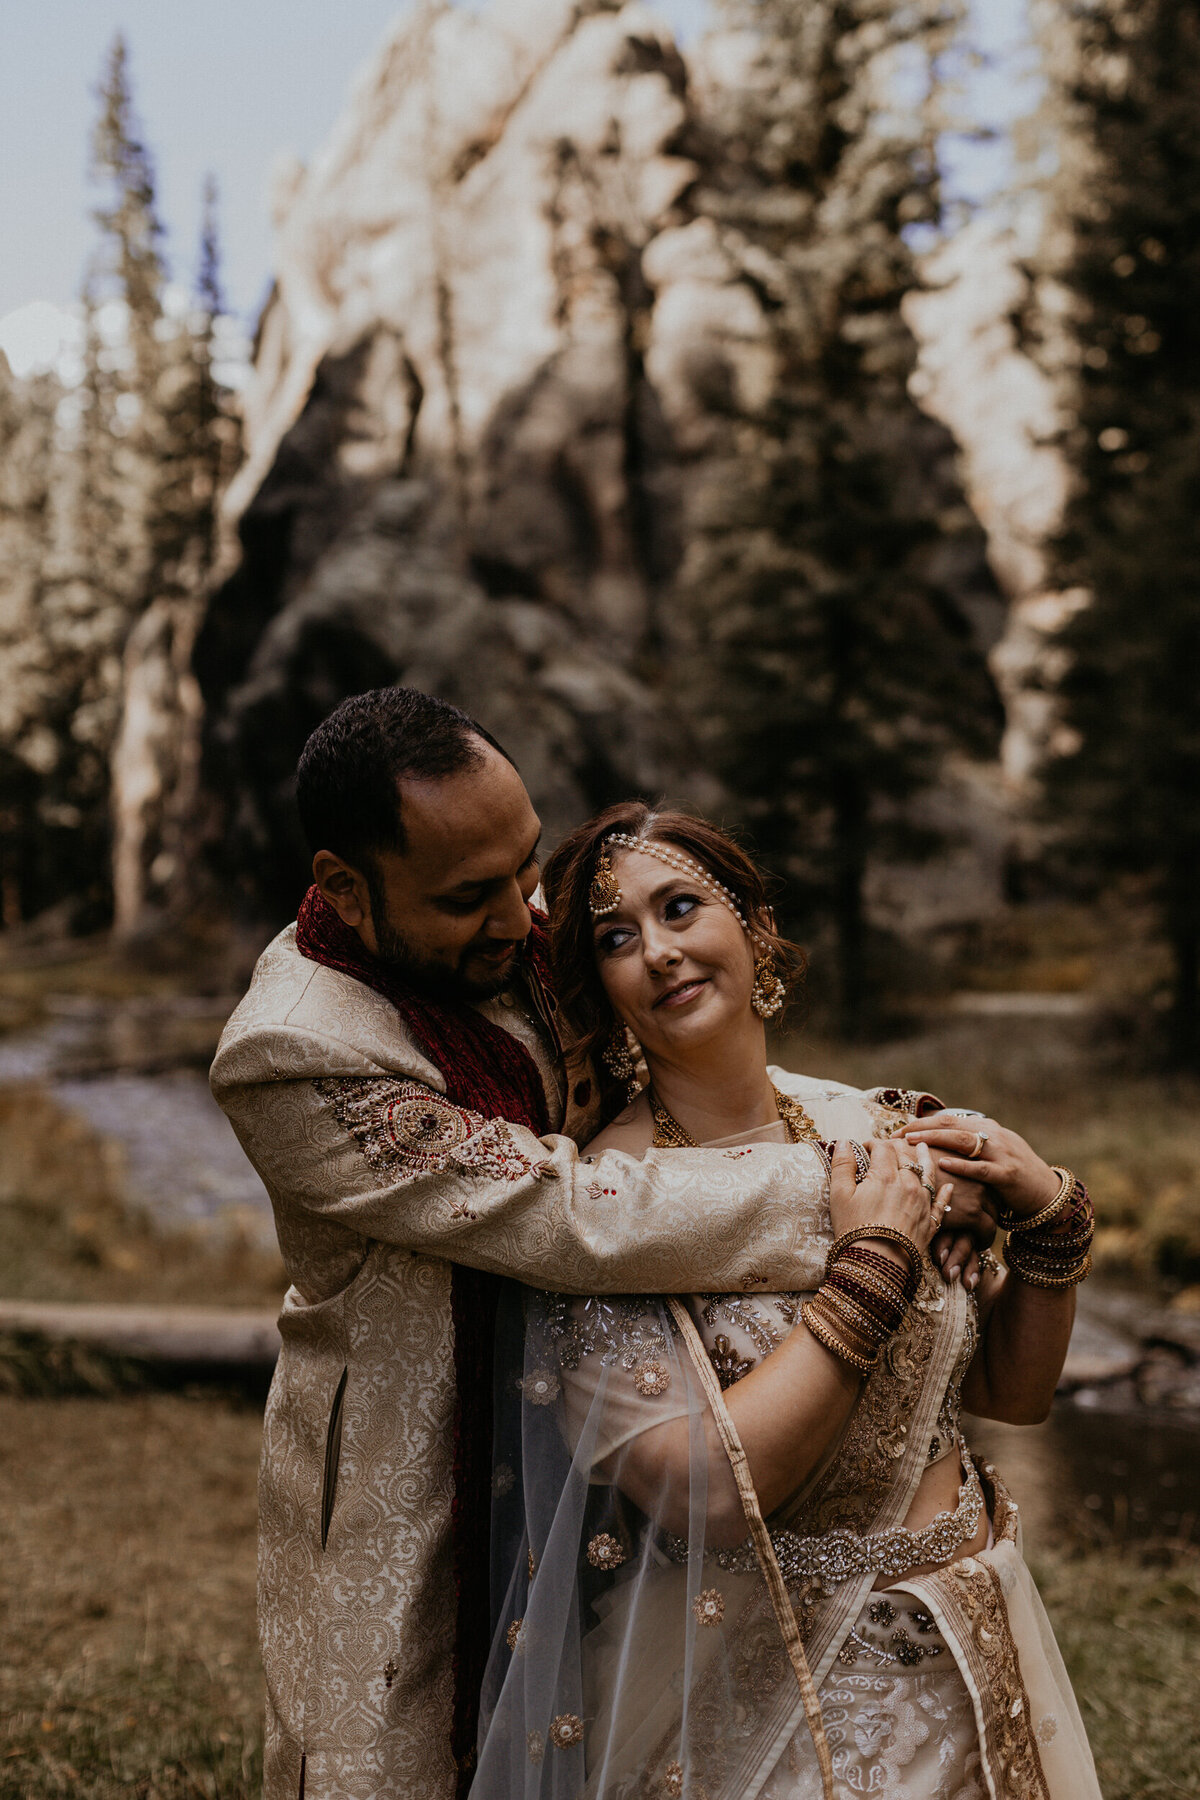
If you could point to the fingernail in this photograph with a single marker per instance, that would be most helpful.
(942, 1255)
(971, 1281)
(953, 1272)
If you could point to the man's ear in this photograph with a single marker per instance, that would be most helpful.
(345, 888)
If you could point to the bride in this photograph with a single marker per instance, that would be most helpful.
(740, 1546)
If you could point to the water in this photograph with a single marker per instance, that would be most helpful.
(135, 1069)
(1090, 1476)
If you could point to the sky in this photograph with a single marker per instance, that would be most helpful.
(227, 86)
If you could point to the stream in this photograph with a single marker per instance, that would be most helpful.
(1112, 1461)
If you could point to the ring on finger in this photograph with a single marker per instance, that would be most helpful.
(981, 1138)
(930, 1189)
(914, 1166)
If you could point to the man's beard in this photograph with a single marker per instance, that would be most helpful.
(437, 980)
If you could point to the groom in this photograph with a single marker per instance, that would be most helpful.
(395, 1075)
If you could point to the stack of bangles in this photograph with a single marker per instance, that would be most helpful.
(1053, 1249)
(864, 1296)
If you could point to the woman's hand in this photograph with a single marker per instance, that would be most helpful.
(900, 1191)
(981, 1150)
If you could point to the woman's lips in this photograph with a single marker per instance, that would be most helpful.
(681, 995)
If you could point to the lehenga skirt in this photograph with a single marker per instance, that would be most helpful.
(897, 1714)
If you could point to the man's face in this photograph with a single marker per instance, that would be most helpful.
(449, 911)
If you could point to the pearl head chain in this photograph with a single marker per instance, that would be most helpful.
(683, 865)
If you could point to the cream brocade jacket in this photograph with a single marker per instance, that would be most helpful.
(379, 1183)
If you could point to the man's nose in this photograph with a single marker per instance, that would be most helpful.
(509, 917)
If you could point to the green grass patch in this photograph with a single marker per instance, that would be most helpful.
(1128, 1625)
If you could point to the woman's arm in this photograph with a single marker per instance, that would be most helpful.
(1022, 1347)
(791, 1409)
(1026, 1329)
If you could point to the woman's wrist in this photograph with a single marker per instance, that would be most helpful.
(1041, 1206)
(884, 1247)
(1052, 1249)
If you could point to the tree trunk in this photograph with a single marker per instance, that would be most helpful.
(1183, 931)
(850, 921)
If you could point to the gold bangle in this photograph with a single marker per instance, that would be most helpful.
(860, 1320)
(826, 1336)
(893, 1286)
(887, 1232)
(1069, 1277)
(866, 1338)
(1066, 1185)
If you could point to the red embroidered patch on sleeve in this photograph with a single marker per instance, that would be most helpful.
(405, 1128)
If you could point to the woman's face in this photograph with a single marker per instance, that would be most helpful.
(675, 964)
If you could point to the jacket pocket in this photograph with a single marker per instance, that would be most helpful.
(333, 1451)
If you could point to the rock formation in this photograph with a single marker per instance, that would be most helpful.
(1004, 412)
(459, 469)
(504, 332)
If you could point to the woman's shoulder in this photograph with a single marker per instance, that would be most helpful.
(840, 1110)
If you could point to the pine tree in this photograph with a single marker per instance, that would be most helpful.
(1125, 785)
(838, 669)
(156, 755)
(29, 825)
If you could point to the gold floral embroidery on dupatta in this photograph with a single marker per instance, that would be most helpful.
(850, 1495)
(973, 1595)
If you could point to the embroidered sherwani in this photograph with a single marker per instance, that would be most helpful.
(379, 1183)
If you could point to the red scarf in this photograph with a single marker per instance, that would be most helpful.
(489, 1071)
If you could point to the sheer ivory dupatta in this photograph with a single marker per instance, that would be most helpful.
(647, 1649)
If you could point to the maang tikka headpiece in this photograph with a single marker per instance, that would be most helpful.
(604, 896)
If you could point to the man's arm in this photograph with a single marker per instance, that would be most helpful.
(394, 1160)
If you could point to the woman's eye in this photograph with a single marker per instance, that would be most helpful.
(610, 941)
(680, 905)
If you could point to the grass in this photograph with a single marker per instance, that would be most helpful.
(66, 1232)
(129, 1669)
(1128, 1625)
(1134, 1138)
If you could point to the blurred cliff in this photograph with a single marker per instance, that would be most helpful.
(598, 391)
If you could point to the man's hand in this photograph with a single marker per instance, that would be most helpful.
(967, 1230)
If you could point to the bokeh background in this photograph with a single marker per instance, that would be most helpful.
(788, 407)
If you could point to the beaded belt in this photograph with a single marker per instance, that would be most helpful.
(840, 1555)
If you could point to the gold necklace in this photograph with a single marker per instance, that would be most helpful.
(670, 1135)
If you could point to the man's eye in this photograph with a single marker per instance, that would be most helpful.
(456, 905)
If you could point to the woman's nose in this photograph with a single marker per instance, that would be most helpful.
(661, 953)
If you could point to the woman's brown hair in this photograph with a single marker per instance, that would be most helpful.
(566, 883)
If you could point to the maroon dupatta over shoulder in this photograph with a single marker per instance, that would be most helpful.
(490, 1072)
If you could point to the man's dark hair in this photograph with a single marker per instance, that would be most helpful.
(346, 779)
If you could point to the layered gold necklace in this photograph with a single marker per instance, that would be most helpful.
(670, 1135)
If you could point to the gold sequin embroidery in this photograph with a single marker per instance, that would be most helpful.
(651, 1379)
(605, 1551)
(566, 1729)
(709, 1606)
